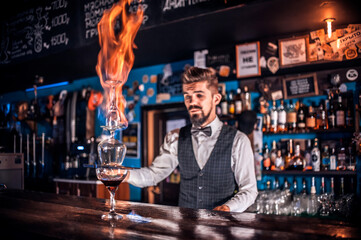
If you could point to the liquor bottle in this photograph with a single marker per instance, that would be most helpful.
(247, 104)
(331, 116)
(297, 162)
(322, 122)
(341, 159)
(224, 104)
(266, 122)
(273, 154)
(218, 107)
(274, 117)
(340, 114)
(311, 119)
(308, 157)
(349, 118)
(282, 118)
(325, 163)
(322, 187)
(333, 159)
(316, 156)
(266, 158)
(332, 194)
(342, 187)
(280, 161)
(350, 159)
(231, 103)
(238, 102)
(289, 154)
(312, 204)
(291, 117)
(295, 188)
(301, 118)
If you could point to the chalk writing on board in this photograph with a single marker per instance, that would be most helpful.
(36, 31)
(300, 86)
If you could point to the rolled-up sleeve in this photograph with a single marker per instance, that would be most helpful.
(162, 166)
(244, 172)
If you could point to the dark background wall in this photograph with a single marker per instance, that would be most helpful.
(167, 35)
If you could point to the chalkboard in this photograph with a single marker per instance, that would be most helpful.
(170, 84)
(300, 86)
(45, 28)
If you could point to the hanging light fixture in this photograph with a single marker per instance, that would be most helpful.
(329, 26)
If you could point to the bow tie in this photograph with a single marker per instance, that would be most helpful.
(206, 130)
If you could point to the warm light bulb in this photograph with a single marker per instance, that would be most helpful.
(329, 26)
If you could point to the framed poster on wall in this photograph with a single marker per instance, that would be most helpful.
(293, 51)
(247, 58)
(300, 86)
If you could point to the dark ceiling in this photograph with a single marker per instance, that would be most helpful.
(177, 40)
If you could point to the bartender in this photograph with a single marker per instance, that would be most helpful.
(215, 160)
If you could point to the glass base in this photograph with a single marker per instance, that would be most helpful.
(112, 216)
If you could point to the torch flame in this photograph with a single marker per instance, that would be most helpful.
(116, 56)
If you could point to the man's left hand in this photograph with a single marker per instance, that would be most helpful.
(223, 208)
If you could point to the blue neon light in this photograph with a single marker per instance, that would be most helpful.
(80, 148)
(48, 86)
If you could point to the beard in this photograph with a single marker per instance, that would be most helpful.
(199, 118)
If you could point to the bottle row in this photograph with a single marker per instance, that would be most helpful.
(234, 103)
(313, 157)
(335, 112)
(292, 201)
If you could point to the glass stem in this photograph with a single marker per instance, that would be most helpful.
(112, 199)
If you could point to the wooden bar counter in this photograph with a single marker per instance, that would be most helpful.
(34, 215)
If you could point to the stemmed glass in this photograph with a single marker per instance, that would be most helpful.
(110, 171)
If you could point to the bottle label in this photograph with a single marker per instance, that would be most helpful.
(291, 117)
(340, 118)
(238, 107)
(311, 122)
(333, 162)
(224, 106)
(282, 117)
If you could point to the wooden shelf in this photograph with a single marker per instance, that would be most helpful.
(310, 173)
(334, 130)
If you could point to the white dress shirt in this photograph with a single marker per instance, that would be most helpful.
(242, 163)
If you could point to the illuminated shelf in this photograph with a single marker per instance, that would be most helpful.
(311, 173)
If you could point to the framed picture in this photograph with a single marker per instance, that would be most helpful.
(247, 58)
(293, 51)
(300, 86)
(131, 138)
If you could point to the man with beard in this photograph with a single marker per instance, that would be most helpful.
(215, 160)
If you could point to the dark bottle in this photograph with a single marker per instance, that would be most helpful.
(311, 119)
(322, 122)
(291, 117)
(331, 115)
(297, 161)
(325, 159)
(301, 118)
(231, 103)
(340, 114)
(341, 159)
(349, 118)
(274, 117)
(266, 158)
(224, 104)
(289, 153)
(238, 102)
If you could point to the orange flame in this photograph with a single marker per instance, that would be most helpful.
(116, 56)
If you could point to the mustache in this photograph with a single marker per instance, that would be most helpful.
(194, 106)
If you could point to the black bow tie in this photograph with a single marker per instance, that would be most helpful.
(206, 130)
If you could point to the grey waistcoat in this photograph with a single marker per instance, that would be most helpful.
(215, 183)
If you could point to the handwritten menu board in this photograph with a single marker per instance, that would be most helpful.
(170, 84)
(300, 86)
(39, 30)
(50, 26)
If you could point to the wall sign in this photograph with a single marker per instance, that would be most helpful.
(293, 51)
(247, 57)
(300, 86)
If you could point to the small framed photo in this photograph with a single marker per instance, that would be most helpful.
(300, 86)
(247, 58)
(294, 51)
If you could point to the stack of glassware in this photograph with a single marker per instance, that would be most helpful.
(298, 203)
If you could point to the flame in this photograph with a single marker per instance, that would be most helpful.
(116, 56)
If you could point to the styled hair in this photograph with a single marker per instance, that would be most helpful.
(196, 74)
